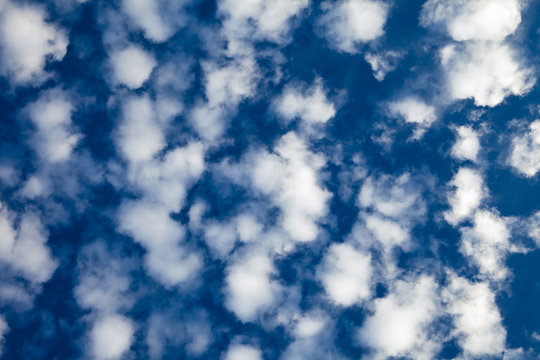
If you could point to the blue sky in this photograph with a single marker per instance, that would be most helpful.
(287, 179)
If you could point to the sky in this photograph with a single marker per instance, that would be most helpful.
(286, 179)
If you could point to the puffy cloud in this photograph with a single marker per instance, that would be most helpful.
(29, 43)
(476, 317)
(468, 195)
(312, 106)
(103, 279)
(399, 325)
(250, 288)
(467, 144)
(383, 63)
(290, 178)
(111, 337)
(55, 138)
(24, 248)
(132, 66)
(155, 18)
(260, 19)
(150, 225)
(394, 197)
(474, 20)
(225, 87)
(349, 23)
(414, 111)
(346, 277)
(487, 72)
(243, 352)
(525, 155)
(140, 136)
(487, 244)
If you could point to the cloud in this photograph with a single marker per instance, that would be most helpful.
(399, 324)
(487, 244)
(55, 137)
(289, 177)
(29, 42)
(467, 144)
(243, 352)
(414, 111)
(111, 337)
(476, 317)
(140, 136)
(4, 329)
(469, 193)
(260, 19)
(311, 105)
(132, 66)
(383, 63)
(486, 72)
(476, 20)
(249, 286)
(349, 23)
(345, 275)
(525, 155)
(225, 87)
(103, 279)
(159, 20)
(178, 327)
(24, 247)
(150, 224)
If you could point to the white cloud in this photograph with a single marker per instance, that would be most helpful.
(250, 289)
(476, 317)
(467, 144)
(349, 23)
(29, 43)
(468, 195)
(4, 329)
(132, 66)
(290, 178)
(487, 244)
(259, 19)
(533, 225)
(152, 19)
(396, 198)
(398, 326)
(111, 337)
(525, 156)
(474, 20)
(54, 139)
(24, 248)
(485, 71)
(346, 274)
(243, 352)
(150, 225)
(383, 63)
(225, 87)
(140, 136)
(220, 237)
(388, 232)
(414, 111)
(311, 105)
(309, 326)
(104, 281)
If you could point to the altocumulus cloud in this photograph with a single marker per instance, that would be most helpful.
(252, 180)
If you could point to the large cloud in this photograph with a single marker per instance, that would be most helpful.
(28, 43)
(474, 20)
(486, 72)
